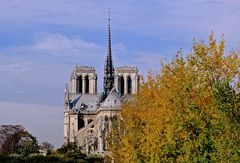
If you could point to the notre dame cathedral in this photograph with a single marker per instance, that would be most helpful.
(87, 114)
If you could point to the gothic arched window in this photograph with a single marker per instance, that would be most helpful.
(80, 84)
(121, 85)
(129, 83)
(80, 123)
(87, 84)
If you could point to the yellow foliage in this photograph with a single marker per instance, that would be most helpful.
(175, 117)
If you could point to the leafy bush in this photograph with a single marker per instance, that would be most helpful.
(70, 157)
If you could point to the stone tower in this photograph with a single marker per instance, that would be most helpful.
(84, 80)
(126, 80)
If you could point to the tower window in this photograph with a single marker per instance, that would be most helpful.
(87, 84)
(121, 86)
(80, 84)
(129, 83)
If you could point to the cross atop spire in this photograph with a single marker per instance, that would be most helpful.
(108, 67)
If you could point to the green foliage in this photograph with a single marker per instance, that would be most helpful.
(228, 101)
(28, 147)
(66, 154)
(70, 147)
(47, 145)
(20, 142)
(72, 157)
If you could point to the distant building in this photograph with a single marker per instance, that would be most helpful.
(87, 114)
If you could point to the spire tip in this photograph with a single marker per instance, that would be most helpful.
(109, 13)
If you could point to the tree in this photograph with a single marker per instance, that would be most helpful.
(178, 116)
(21, 142)
(46, 148)
(47, 145)
(70, 147)
(228, 101)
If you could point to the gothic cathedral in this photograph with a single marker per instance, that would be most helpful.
(87, 114)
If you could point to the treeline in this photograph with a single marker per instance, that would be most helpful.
(21, 147)
(66, 154)
(67, 158)
(189, 112)
(20, 142)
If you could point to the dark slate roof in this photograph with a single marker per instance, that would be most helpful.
(82, 102)
(113, 100)
(90, 103)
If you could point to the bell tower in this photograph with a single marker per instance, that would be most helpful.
(84, 80)
(127, 80)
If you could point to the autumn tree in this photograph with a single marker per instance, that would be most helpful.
(186, 113)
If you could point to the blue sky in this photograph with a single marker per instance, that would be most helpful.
(41, 41)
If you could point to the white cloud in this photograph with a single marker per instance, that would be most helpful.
(50, 12)
(59, 44)
(146, 61)
(13, 67)
(181, 19)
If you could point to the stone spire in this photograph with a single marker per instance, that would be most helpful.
(108, 67)
(66, 94)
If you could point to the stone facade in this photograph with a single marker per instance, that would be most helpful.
(84, 80)
(88, 115)
(126, 80)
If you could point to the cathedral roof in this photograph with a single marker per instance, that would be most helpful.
(85, 102)
(113, 100)
(91, 102)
